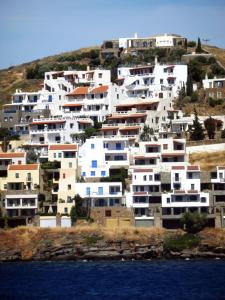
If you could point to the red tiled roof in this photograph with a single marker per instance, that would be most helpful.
(83, 90)
(193, 168)
(152, 145)
(178, 167)
(99, 89)
(12, 155)
(193, 192)
(47, 122)
(221, 168)
(72, 105)
(179, 192)
(130, 128)
(109, 128)
(135, 115)
(63, 147)
(143, 170)
(24, 167)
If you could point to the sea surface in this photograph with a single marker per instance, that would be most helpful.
(164, 279)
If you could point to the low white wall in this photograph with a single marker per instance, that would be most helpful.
(65, 222)
(206, 148)
(47, 222)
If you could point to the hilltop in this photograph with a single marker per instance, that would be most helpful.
(29, 76)
(17, 76)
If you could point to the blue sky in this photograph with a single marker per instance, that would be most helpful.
(31, 29)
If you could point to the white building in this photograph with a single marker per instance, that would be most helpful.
(97, 156)
(101, 194)
(186, 189)
(159, 154)
(56, 129)
(93, 102)
(150, 80)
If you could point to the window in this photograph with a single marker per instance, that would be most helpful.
(17, 175)
(167, 200)
(88, 191)
(117, 96)
(64, 175)
(71, 125)
(100, 190)
(50, 98)
(92, 173)
(161, 81)
(192, 186)
(54, 155)
(103, 173)
(65, 210)
(150, 177)
(108, 213)
(100, 75)
(69, 199)
(70, 165)
(83, 174)
(69, 187)
(144, 177)
(105, 145)
(203, 199)
(94, 163)
(92, 146)
(165, 146)
(118, 146)
(59, 155)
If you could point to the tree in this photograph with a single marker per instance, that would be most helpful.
(31, 157)
(196, 131)
(146, 133)
(6, 136)
(210, 126)
(199, 46)
(193, 222)
(189, 86)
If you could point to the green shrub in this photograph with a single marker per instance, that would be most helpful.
(191, 44)
(194, 222)
(180, 242)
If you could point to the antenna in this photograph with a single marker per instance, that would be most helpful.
(206, 40)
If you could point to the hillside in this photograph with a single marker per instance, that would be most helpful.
(15, 77)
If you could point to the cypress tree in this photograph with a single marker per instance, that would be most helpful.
(199, 47)
(196, 132)
(189, 86)
(210, 126)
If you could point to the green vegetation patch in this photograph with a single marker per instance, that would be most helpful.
(181, 242)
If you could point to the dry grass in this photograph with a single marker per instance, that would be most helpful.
(208, 160)
(213, 236)
(218, 52)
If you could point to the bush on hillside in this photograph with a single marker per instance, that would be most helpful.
(193, 222)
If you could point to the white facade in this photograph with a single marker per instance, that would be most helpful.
(150, 80)
(100, 194)
(57, 129)
(186, 189)
(98, 155)
(160, 154)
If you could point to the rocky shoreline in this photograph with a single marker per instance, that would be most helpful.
(25, 244)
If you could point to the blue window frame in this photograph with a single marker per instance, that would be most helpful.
(118, 146)
(103, 173)
(92, 146)
(94, 163)
(100, 190)
(50, 98)
(88, 191)
(92, 173)
(83, 174)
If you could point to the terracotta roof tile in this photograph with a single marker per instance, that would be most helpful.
(72, 105)
(82, 90)
(24, 167)
(63, 147)
(99, 89)
(143, 170)
(178, 168)
(12, 155)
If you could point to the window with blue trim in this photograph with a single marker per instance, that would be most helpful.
(83, 174)
(103, 173)
(92, 146)
(94, 163)
(100, 190)
(50, 98)
(118, 146)
(92, 173)
(88, 191)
